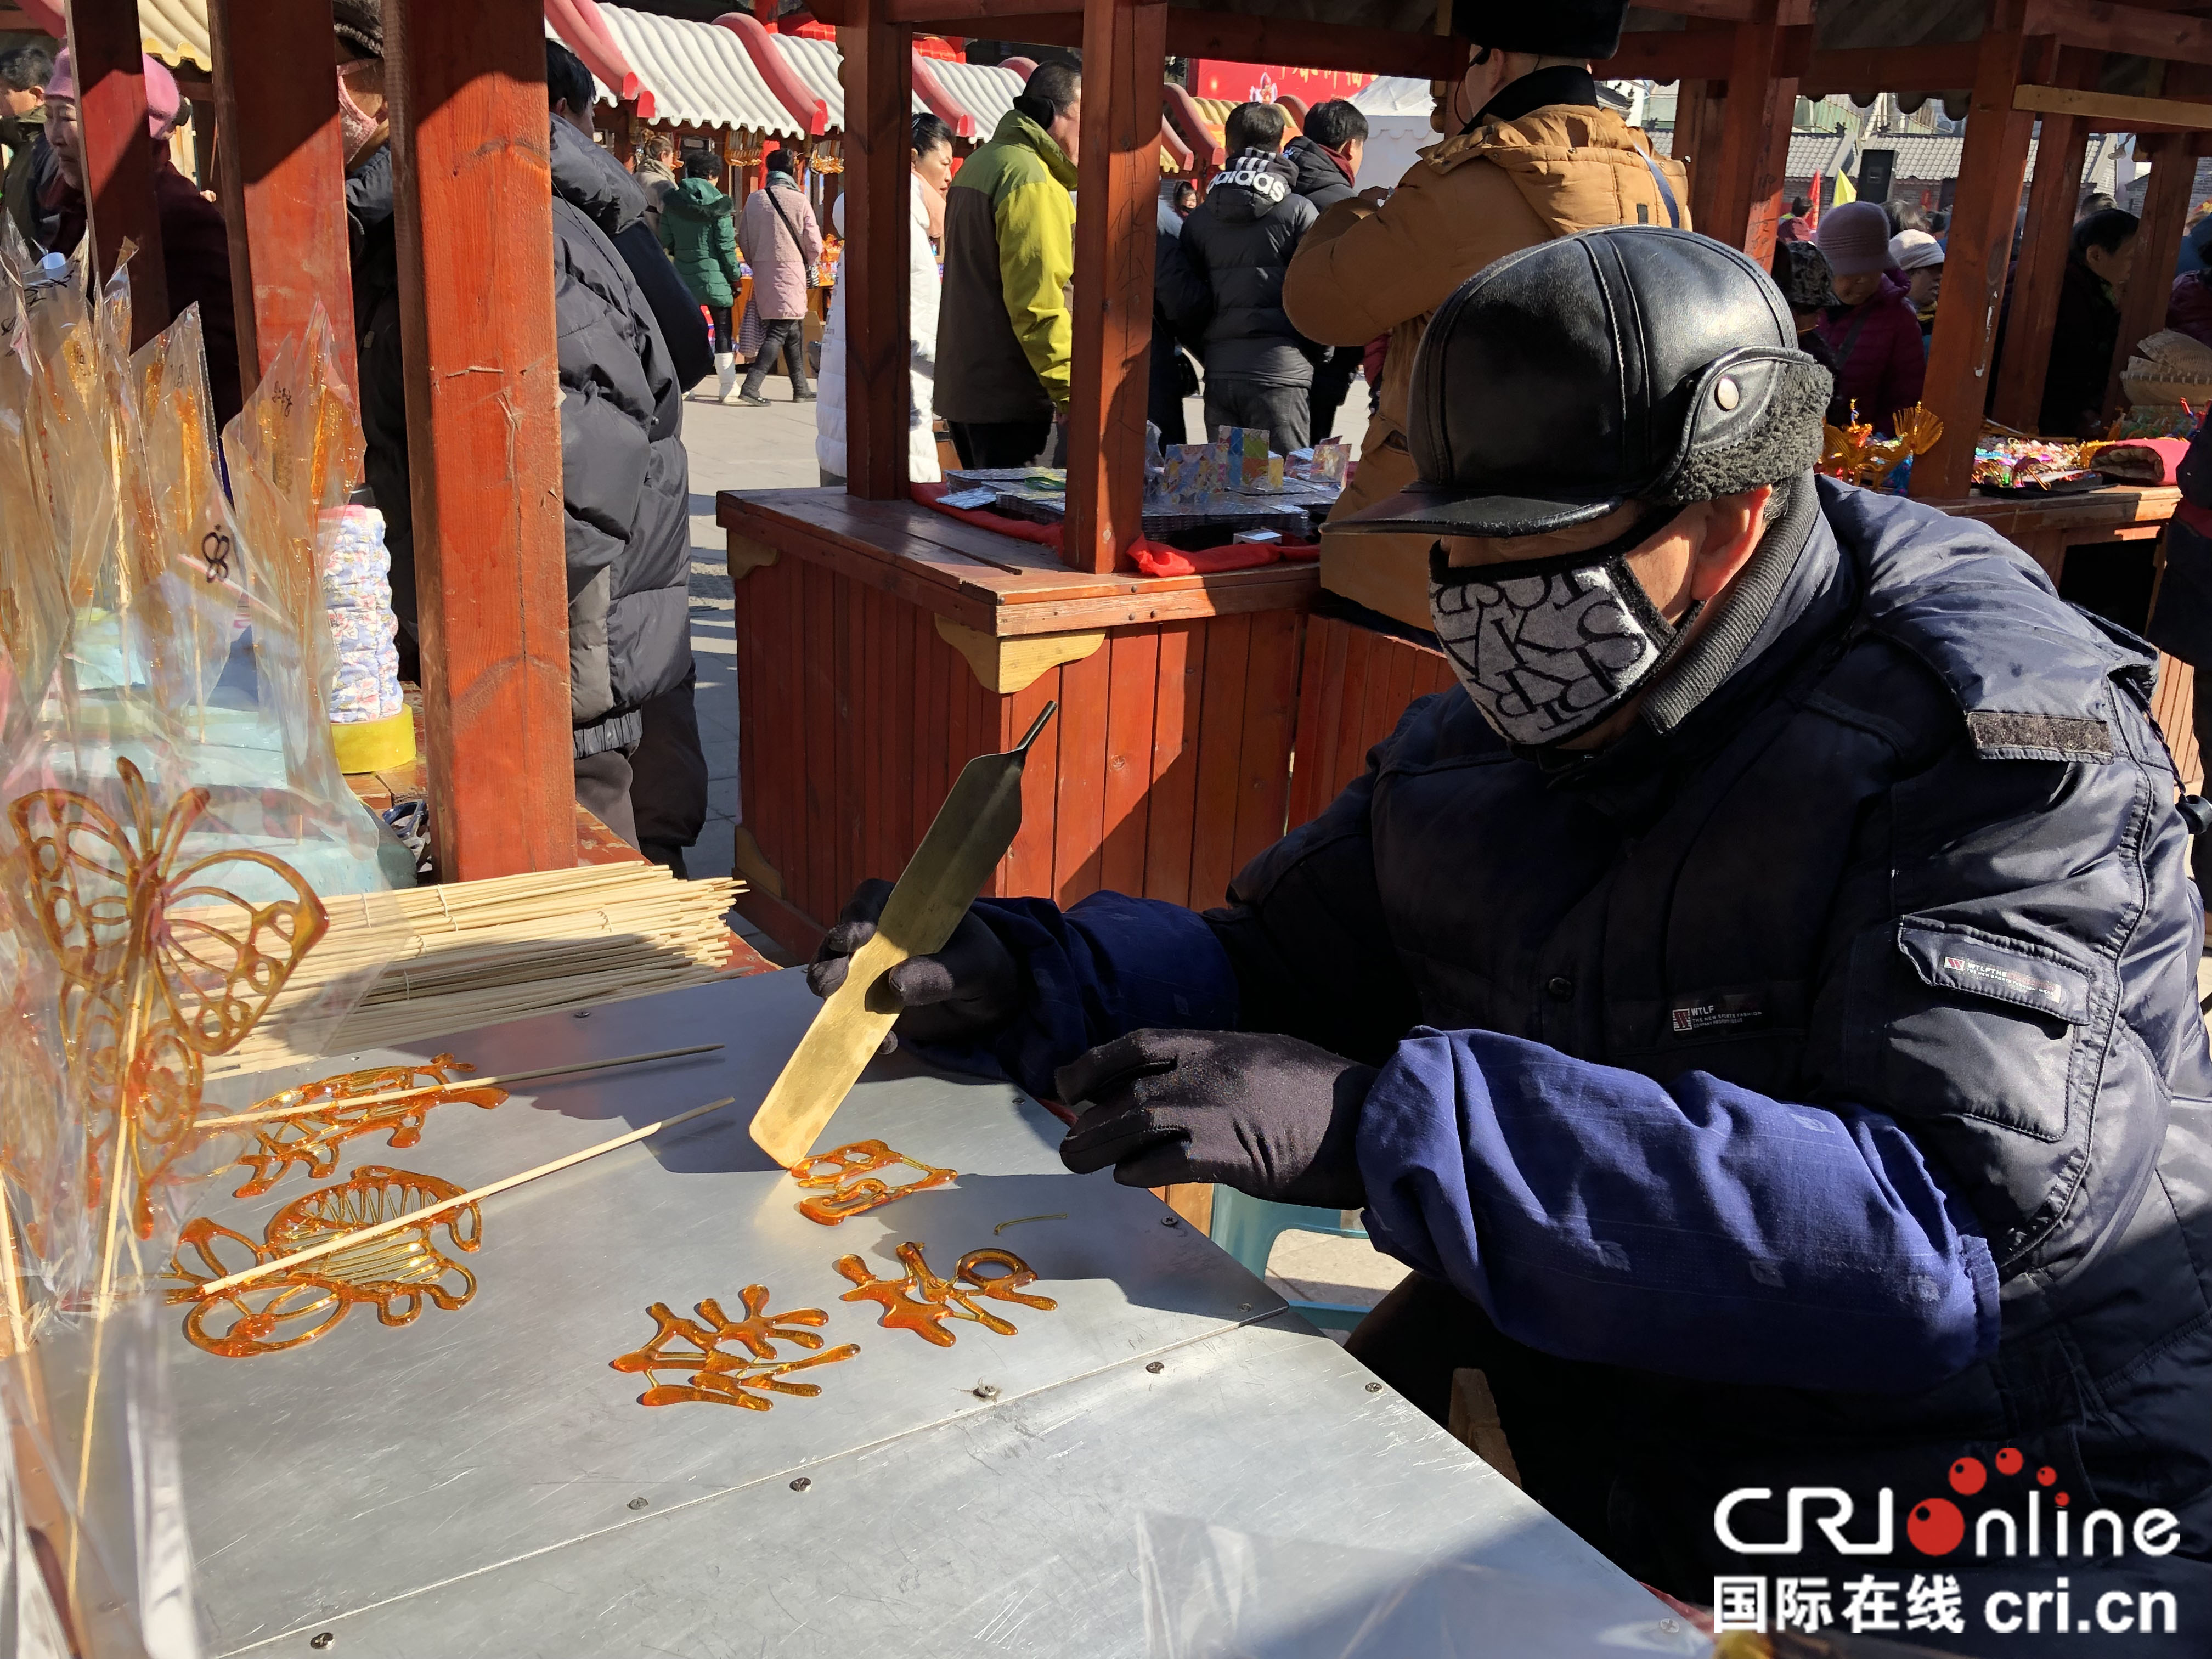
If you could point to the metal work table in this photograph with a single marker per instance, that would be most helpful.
(1165, 1445)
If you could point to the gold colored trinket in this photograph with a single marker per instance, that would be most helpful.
(327, 1118)
(922, 1302)
(396, 1273)
(162, 964)
(729, 1378)
(850, 1171)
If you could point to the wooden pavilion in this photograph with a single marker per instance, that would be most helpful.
(880, 642)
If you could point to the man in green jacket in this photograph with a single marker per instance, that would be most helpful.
(1004, 336)
(699, 232)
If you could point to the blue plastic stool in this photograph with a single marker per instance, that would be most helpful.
(1247, 1227)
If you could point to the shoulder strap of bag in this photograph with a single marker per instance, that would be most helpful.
(798, 247)
(1666, 189)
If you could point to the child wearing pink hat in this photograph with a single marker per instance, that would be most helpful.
(1881, 364)
(195, 243)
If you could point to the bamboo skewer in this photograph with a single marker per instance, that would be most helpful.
(462, 1201)
(349, 1102)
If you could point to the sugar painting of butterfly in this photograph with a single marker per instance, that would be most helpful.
(162, 963)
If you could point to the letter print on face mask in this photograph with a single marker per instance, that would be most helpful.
(1548, 647)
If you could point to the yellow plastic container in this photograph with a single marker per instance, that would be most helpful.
(376, 746)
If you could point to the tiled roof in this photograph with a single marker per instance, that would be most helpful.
(1393, 95)
(984, 90)
(175, 31)
(700, 75)
(816, 63)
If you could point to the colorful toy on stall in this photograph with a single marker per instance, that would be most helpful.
(396, 1273)
(1191, 475)
(922, 1302)
(2006, 460)
(719, 1378)
(850, 1173)
(1855, 453)
(1244, 456)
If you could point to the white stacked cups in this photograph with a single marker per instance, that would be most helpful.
(357, 589)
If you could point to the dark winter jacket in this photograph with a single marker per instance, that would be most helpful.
(2189, 307)
(698, 226)
(2083, 341)
(1240, 239)
(624, 488)
(1826, 1075)
(1316, 176)
(31, 171)
(1881, 359)
(1178, 293)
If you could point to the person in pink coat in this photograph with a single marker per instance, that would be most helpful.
(1881, 363)
(782, 243)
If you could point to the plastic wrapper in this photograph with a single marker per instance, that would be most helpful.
(171, 814)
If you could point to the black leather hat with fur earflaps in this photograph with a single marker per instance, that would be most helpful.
(1588, 29)
(1633, 363)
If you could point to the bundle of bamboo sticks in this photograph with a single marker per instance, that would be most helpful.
(464, 954)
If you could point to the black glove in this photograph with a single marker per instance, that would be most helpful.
(969, 989)
(1269, 1116)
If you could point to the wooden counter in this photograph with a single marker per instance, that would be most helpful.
(882, 644)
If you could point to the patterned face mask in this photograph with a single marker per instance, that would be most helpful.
(1548, 647)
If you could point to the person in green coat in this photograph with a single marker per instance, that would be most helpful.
(700, 233)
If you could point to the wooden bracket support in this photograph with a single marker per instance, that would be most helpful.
(1008, 665)
(746, 555)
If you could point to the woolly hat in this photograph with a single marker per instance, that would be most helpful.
(359, 26)
(1908, 250)
(1561, 28)
(1855, 239)
(163, 101)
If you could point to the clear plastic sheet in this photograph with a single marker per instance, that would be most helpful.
(1211, 1592)
(171, 814)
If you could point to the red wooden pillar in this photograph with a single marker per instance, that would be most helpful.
(1700, 109)
(2157, 245)
(1118, 168)
(119, 160)
(283, 176)
(1755, 138)
(1980, 247)
(879, 326)
(2045, 241)
(475, 226)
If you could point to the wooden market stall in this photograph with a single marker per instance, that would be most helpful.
(879, 643)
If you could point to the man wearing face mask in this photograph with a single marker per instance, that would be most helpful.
(1529, 153)
(1761, 1011)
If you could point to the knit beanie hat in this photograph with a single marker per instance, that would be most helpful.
(359, 25)
(1855, 239)
(163, 101)
(1908, 250)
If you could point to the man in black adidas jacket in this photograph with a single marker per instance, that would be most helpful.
(1258, 369)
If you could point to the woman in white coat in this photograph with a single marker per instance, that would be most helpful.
(933, 173)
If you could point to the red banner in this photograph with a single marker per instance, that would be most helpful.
(1263, 83)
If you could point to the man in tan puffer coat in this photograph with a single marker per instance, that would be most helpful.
(1532, 156)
